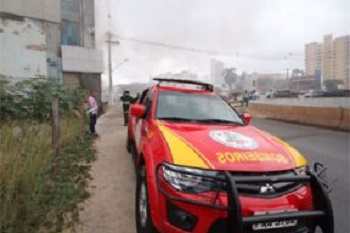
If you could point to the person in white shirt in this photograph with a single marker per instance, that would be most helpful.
(92, 111)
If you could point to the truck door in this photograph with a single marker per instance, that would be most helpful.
(141, 124)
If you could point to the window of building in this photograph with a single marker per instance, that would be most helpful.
(71, 22)
(70, 33)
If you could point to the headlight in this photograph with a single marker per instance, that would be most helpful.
(190, 180)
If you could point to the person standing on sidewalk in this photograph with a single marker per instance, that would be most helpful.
(92, 111)
(127, 99)
(245, 98)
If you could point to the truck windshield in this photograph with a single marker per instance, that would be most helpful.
(183, 106)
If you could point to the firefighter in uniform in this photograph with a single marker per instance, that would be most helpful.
(127, 99)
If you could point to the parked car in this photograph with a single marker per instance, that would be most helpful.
(284, 94)
(202, 168)
(270, 94)
(313, 93)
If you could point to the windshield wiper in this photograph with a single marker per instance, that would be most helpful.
(218, 121)
(174, 119)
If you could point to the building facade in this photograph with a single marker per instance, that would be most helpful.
(53, 39)
(329, 60)
(216, 73)
(341, 57)
(313, 58)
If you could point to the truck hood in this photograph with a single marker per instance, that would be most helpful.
(227, 147)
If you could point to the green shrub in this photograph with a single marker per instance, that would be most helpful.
(37, 190)
(32, 99)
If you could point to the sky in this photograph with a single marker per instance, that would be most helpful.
(266, 36)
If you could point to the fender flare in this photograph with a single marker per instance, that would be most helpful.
(153, 194)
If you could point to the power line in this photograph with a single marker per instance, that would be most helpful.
(213, 52)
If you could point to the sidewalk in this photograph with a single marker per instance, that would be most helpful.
(110, 209)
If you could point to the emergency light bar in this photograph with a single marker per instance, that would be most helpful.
(206, 86)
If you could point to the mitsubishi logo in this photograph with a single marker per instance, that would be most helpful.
(267, 189)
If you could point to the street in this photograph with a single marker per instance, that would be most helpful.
(329, 147)
(111, 206)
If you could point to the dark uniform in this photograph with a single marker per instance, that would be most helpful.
(127, 100)
(245, 98)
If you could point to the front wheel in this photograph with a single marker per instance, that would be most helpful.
(128, 142)
(143, 214)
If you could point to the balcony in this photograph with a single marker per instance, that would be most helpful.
(81, 60)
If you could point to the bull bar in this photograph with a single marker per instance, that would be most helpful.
(322, 213)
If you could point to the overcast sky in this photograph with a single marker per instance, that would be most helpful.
(250, 35)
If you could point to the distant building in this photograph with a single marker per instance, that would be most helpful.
(248, 81)
(304, 83)
(267, 82)
(329, 60)
(313, 58)
(341, 56)
(216, 73)
(264, 83)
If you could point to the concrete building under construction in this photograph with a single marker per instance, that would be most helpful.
(50, 38)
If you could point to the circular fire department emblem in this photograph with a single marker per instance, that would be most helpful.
(233, 139)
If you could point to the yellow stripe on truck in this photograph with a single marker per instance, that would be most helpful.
(182, 153)
(299, 159)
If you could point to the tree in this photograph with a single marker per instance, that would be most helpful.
(230, 76)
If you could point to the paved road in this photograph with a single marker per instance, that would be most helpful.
(329, 147)
(110, 209)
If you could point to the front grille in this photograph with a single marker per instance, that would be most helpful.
(257, 189)
(220, 226)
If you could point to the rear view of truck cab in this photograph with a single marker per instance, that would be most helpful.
(202, 168)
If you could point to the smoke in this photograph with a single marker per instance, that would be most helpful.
(255, 35)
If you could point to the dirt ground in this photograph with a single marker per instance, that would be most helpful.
(110, 209)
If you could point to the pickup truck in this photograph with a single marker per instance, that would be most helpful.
(201, 167)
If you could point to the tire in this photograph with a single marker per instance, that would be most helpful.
(134, 156)
(128, 142)
(144, 222)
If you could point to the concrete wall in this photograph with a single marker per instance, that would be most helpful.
(333, 117)
(86, 81)
(29, 48)
(48, 10)
(23, 49)
(88, 9)
(53, 50)
(83, 60)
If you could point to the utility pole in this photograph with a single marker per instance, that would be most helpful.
(287, 78)
(110, 43)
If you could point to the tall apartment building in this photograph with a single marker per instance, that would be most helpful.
(327, 58)
(332, 58)
(49, 38)
(313, 58)
(216, 73)
(341, 56)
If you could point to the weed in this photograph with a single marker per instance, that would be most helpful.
(37, 190)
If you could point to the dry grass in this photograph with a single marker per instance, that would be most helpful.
(29, 190)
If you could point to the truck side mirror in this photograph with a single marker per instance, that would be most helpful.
(246, 118)
(137, 110)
